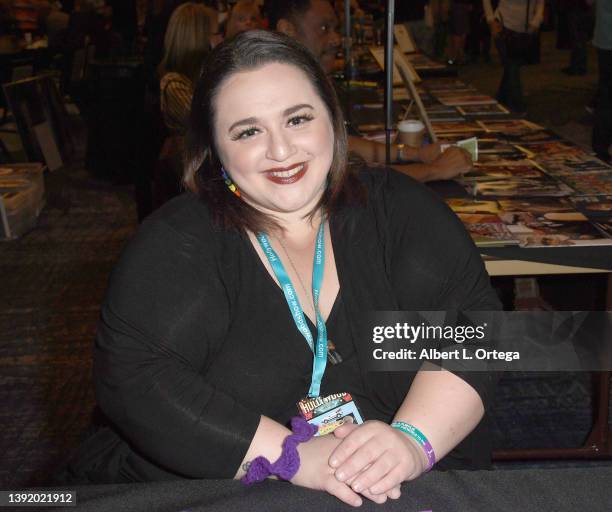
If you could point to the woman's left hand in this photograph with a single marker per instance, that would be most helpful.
(376, 457)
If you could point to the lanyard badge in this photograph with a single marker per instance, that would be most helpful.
(321, 349)
(329, 412)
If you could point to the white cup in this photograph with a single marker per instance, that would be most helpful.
(411, 132)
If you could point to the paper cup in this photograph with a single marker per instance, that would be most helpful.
(411, 133)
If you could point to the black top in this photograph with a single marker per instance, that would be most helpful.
(196, 340)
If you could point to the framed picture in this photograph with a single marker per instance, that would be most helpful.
(41, 120)
(404, 38)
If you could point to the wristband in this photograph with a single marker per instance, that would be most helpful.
(287, 465)
(418, 436)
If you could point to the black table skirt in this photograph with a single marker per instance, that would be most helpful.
(586, 489)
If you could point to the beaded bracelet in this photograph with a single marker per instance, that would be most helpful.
(287, 465)
(420, 438)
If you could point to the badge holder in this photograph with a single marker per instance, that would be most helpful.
(329, 412)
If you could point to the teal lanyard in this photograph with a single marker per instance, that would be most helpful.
(318, 265)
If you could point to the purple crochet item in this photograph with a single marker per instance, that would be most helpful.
(288, 463)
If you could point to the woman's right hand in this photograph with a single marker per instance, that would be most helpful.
(315, 473)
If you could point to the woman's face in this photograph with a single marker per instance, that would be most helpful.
(274, 137)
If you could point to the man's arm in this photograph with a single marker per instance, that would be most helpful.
(432, 163)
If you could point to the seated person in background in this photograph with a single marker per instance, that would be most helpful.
(200, 358)
(315, 24)
(186, 43)
(244, 16)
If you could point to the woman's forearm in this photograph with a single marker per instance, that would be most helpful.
(442, 406)
(267, 442)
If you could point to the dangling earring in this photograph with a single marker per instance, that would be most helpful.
(229, 182)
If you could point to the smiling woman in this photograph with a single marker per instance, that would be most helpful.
(288, 141)
(273, 107)
(205, 344)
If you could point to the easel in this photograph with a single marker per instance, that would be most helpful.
(406, 79)
(409, 84)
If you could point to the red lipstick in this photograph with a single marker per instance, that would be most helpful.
(272, 175)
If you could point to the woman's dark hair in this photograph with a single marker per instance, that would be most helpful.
(247, 52)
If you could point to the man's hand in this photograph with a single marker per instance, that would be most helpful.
(429, 152)
(451, 163)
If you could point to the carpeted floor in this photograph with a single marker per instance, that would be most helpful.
(53, 280)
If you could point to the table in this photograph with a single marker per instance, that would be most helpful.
(537, 490)
(516, 261)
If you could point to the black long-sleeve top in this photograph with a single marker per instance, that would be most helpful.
(196, 340)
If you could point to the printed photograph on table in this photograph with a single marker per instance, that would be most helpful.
(483, 110)
(467, 99)
(594, 206)
(441, 116)
(458, 127)
(487, 230)
(470, 205)
(590, 183)
(559, 165)
(509, 157)
(543, 222)
(484, 172)
(604, 225)
(555, 150)
(551, 230)
(489, 144)
(531, 187)
(540, 206)
(441, 109)
(454, 137)
(529, 138)
(509, 125)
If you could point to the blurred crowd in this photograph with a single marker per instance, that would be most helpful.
(170, 38)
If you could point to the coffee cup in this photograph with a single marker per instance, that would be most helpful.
(411, 133)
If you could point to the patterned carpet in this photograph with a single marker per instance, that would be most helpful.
(53, 281)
